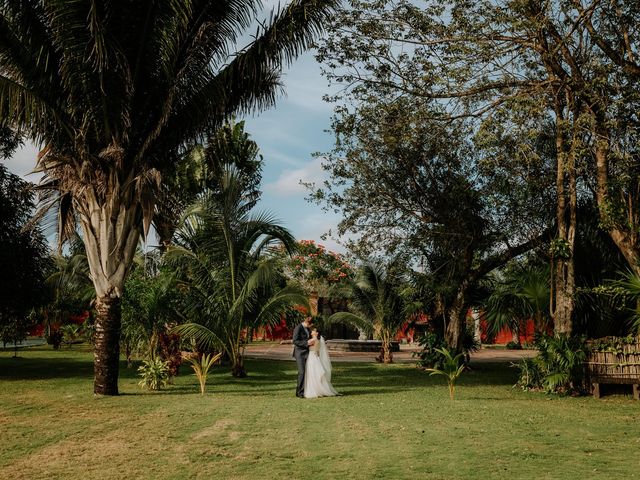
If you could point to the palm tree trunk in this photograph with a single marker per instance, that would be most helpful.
(387, 353)
(111, 233)
(107, 345)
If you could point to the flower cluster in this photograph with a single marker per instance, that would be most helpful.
(315, 263)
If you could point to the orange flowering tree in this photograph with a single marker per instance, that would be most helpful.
(319, 270)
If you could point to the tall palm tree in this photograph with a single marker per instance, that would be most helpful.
(379, 305)
(114, 90)
(232, 287)
(200, 170)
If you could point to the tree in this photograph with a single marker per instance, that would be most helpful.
(521, 295)
(378, 305)
(404, 182)
(200, 170)
(567, 61)
(231, 286)
(24, 256)
(115, 91)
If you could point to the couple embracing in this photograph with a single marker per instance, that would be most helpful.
(312, 358)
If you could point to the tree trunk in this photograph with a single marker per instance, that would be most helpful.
(107, 345)
(386, 355)
(456, 321)
(626, 241)
(564, 275)
(111, 228)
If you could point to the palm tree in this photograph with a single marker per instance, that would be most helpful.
(522, 295)
(380, 307)
(114, 91)
(200, 170)
(232, 287)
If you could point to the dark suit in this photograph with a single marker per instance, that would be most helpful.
(301, 336)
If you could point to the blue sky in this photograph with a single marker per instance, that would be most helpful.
(287, 134)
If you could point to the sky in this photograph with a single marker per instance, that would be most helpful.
(287, 135)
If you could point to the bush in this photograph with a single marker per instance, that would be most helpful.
(433, 343)
(530, 377)
(513, 346)
(154, 373)
(55, 339)
(429, 357)
(558, 367)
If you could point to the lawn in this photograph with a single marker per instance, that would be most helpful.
(392, 422)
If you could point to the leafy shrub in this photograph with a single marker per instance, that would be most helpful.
(71, 333)
(429, 357)
(513, 346)
(154, 373)
(55, 339)
(530, 377)
(558, 367)
(431, 342)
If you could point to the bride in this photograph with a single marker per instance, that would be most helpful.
(317, 376)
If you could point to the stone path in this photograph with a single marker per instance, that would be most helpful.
(276, 351)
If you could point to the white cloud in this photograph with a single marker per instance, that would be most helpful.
(23, 161)
(288, 183)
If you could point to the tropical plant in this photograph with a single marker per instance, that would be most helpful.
(560, 361)
(530, 377)
(114, 91)
(231, 287)
(452, 368)
(200, 170)
(24, 254)
(149, 304)
(379, 304)
(71, 333)
(154, 373)
(523, 294)
(319, 270)
(629, 288)
(432, 341)
(201, 366)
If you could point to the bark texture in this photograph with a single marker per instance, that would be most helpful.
(107, 345)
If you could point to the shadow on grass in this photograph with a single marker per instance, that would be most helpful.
(264, 376)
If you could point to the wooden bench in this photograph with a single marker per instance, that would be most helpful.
(615, 366)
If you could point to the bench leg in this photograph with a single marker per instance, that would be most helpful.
(596, 390)
(636, 392)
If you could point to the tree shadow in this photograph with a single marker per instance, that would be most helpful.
(265, 377)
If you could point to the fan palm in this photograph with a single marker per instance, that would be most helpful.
(379, 305)
(231, 286)
(114, 90)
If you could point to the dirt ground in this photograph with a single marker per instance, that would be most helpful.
(277, 351)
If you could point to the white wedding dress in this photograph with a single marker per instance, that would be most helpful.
(317, 375)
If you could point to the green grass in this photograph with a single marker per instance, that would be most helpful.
(392, 422)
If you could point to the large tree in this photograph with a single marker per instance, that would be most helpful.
(231, 286)
(113, 90)
(406, 183)
(24, 254)
(573, 63)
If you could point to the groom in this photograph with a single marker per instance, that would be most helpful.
(302, 341)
